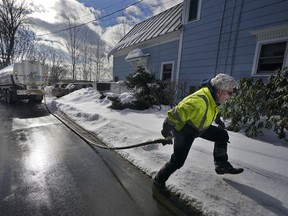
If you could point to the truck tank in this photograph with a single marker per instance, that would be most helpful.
(23, 80)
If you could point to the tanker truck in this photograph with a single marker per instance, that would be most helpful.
(23, 80)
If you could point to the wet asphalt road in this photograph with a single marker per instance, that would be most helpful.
(45, 169)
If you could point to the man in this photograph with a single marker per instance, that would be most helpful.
(192, 118)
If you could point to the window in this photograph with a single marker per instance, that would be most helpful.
(271, 57)
(193, 10)
(167, 69)
(271, 51)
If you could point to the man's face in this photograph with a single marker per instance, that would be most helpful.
(224, 95)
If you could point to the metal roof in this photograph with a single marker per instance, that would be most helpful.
(165, 22)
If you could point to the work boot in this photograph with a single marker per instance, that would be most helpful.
(163, 175)
(159, 184)
(227, 168)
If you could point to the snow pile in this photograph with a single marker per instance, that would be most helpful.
(137, 53)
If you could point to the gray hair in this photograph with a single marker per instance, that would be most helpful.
(223, 82)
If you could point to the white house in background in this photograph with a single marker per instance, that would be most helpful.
(198, 39)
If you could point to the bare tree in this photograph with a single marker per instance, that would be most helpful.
(73, 41)
(85, 56)
(58, 67)
(120, 30)
(92, 55)
(25, 42)
(39, 52)
(15, 37)
(99, 56)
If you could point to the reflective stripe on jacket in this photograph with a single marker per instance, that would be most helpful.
(198, 110)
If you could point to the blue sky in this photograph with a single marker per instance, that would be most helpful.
(105, 4)
(110, 7)
(139, 8)
(113, 18)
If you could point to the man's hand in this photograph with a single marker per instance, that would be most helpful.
(167, 140)
(220, 123)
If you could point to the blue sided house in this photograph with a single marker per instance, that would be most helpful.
(198, 39)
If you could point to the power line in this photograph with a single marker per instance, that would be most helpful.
(107, 16)
(144, 9)
(82, 24)
(91, 13)
(102, 9)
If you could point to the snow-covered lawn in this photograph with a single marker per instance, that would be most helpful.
(260, 190)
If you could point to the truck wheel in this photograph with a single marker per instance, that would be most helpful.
(38, 100)
(7, 97)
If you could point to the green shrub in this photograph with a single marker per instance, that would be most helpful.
(141, 81)
(149, 91)
(277, 101)
(256, 105)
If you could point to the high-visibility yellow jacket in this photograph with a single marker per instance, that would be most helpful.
(199, 110)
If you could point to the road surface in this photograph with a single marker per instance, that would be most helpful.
(46, 169)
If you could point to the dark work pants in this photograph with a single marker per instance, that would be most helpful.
(182, 143)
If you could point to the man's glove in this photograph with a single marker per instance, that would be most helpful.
(219, 122)
(167, 133)
(221, 125)
(167, 140)
(167, 129)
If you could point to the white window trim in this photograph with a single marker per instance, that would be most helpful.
(269, 35)
(172, 72)
(186, 11)
(257, 55)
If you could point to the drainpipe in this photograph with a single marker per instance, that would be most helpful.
(236, 37)
(179, 58)
(229, 40)
(219, 38)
